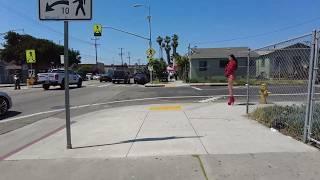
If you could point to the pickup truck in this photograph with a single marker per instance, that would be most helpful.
(55, 77)
(121, 76)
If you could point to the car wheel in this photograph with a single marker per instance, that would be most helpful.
(79, 85)
(46, 86)
(62, 85)
(4, 106)
(113, 82)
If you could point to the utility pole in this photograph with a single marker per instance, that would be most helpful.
(190, 64)
(96, 50)
(121, 55)
(129, 57)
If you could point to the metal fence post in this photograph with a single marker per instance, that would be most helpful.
(309, 101)
(248, 81)
(314, 77)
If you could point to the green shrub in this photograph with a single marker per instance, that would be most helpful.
(287, 119)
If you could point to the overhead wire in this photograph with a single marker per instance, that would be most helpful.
(260, 34)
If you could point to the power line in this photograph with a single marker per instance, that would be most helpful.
(261, 34)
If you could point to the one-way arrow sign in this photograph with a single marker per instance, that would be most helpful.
(50, 7)
(65, 9)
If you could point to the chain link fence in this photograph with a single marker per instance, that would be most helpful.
(278, 82)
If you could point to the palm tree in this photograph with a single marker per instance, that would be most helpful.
(175, 44)
(168, 49)
(167, 40)
(159, 41)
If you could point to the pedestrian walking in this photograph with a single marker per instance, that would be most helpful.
(16, 78)
(229, 72)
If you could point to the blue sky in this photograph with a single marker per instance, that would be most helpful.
(209, 21)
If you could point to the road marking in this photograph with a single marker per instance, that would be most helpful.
(100, 104)
(106, 85)
(198, 89)
(133, 100)
(211, 99)
(165, 108)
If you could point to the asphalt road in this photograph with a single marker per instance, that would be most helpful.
(33, 104)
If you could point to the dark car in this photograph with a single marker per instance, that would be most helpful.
(5, 103)
(106, 77)
(121, 76)
(164, 77)
(140, 78)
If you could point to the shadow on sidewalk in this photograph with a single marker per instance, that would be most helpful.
(141, 140)
(10, 114)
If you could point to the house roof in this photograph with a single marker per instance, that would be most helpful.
(214, 53)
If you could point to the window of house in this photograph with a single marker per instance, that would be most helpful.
(203, 65)
(223, 63)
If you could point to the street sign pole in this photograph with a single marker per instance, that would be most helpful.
(66, 75)
(65, 10)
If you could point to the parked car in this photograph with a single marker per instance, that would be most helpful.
(106, 78)
(164, 77)
(140, 78)
(5, 103)
(121, 76)
(56, 78)
(89, 76)
(96, 77)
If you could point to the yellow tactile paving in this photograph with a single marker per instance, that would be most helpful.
(165, 108)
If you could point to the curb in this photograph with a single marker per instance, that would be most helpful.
(186, 85)
(154, 85)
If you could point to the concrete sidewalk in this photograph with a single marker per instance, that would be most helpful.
(160, 141)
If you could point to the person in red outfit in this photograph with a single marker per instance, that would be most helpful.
(229, 72)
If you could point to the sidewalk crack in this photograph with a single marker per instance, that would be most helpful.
(196, 132)
(135, 138)
(203, 170)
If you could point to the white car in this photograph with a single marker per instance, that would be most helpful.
(56, 78)
(97, 77)
(89, 76)
(5, 103)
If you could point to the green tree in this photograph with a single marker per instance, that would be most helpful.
(159, 66)
(175, 44)
(159, 41)
(47, 52)
(183, 66)
(168, 50)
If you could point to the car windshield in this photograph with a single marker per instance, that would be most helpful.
(160, 90)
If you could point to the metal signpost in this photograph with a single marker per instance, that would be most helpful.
(150, 54)
(64, 10)
(31, 59)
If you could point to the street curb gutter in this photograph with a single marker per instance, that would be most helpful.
(154, 85)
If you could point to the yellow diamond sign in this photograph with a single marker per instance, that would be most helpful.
(31, 56)
(150, 53)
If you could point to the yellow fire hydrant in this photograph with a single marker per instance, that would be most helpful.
(264, 93)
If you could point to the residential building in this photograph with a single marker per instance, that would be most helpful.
(285, 63)
(209, 63)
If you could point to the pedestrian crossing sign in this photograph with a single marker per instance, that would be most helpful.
(150, 53)
(31, 56)
(97, 29)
